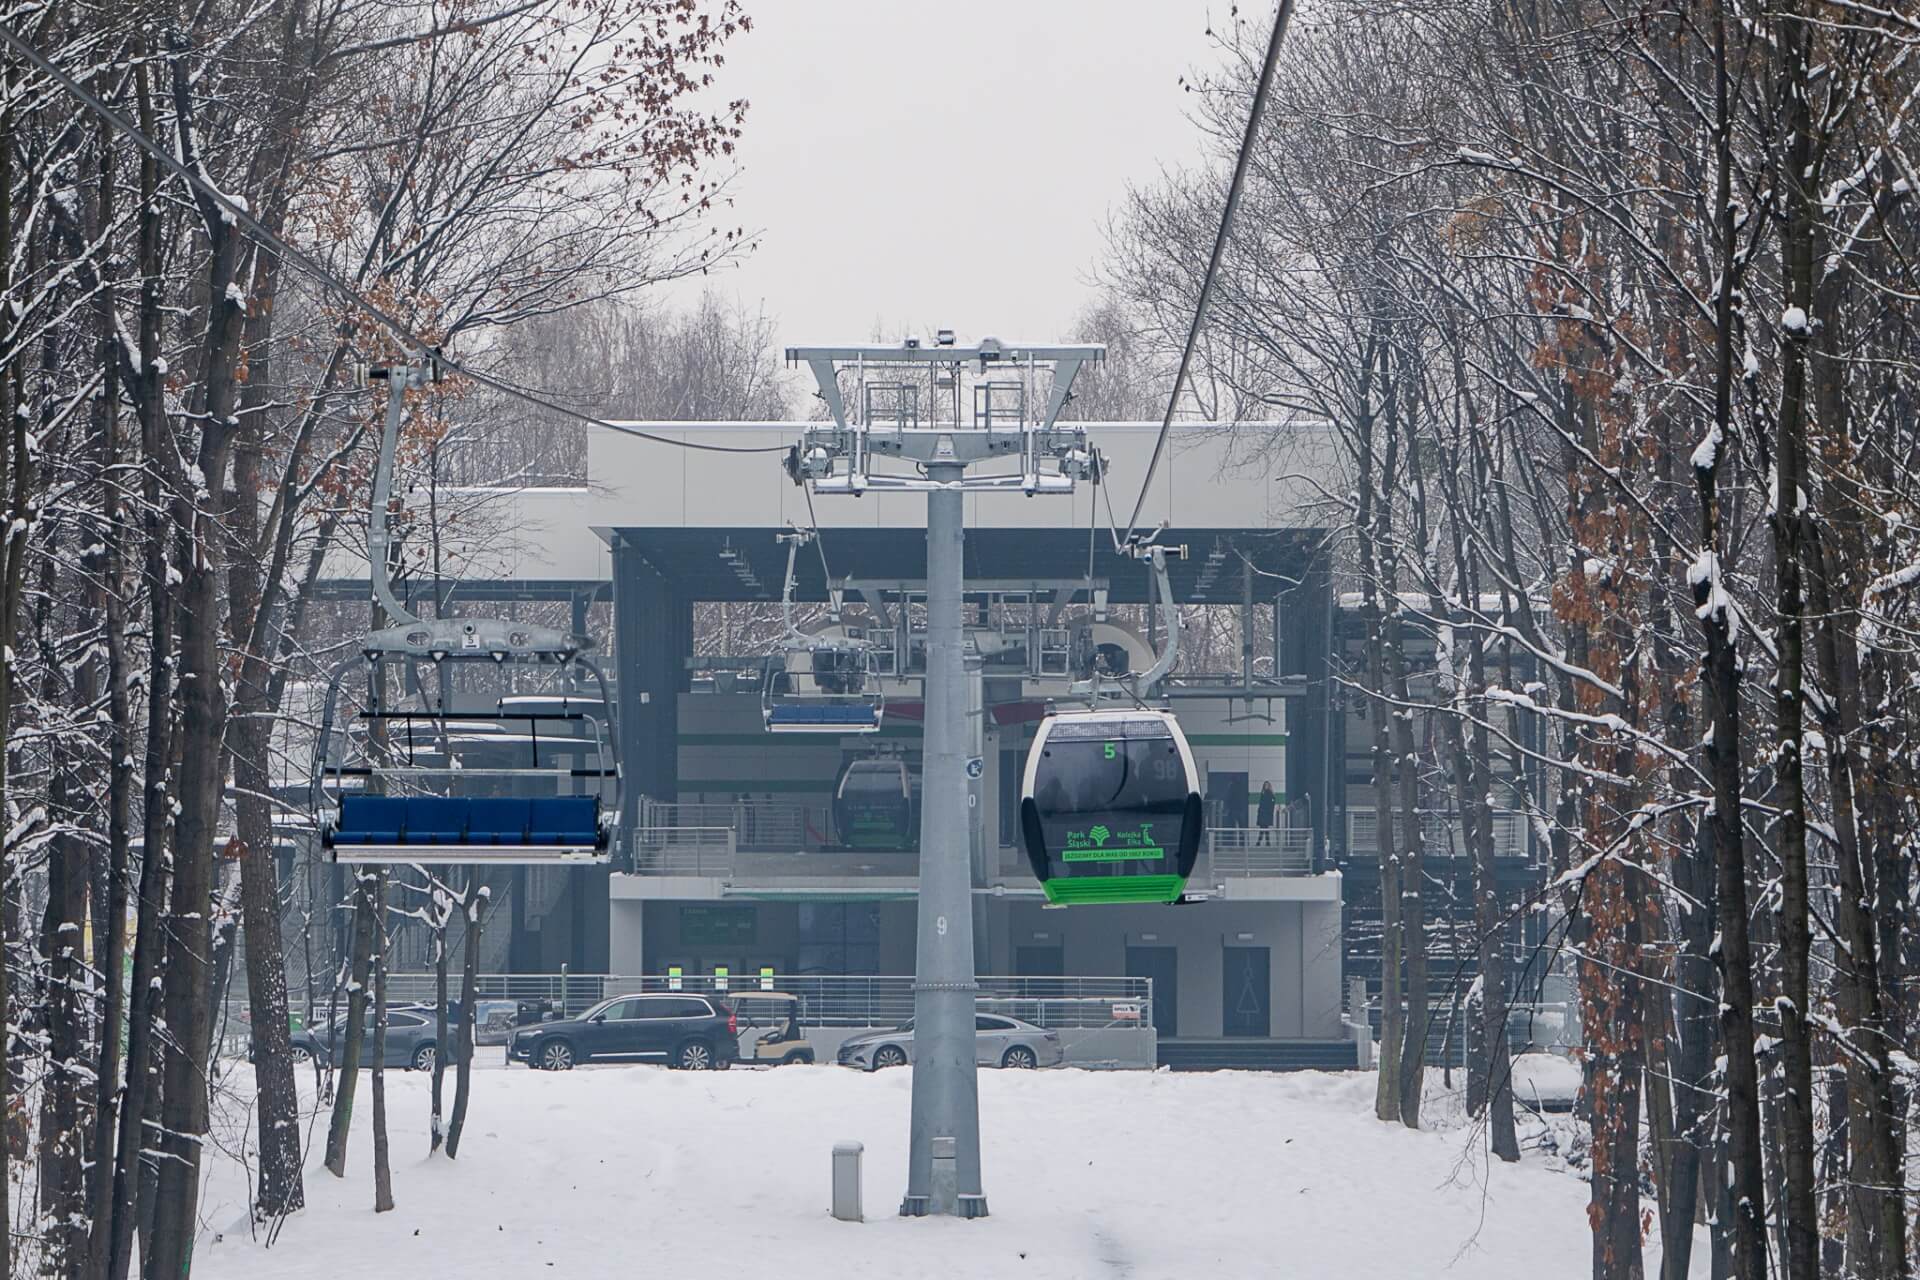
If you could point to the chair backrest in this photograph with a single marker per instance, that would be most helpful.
(435, 818)
(370, 815)
(498, 819)
(564, 819)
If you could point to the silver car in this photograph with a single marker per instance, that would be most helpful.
(410, 1038)
(998, 1042)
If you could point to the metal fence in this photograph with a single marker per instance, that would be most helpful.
(1532, 1026)
(683, 851)
(718, 850)
(1260, 851)
(1441, 832)
(826, 999)
(1108, 1020)
(760, 825)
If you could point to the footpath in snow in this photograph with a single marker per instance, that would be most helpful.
(625, 1171)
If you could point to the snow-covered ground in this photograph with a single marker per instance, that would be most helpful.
(622, 1171)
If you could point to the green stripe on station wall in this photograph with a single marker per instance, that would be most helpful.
(1237, 739)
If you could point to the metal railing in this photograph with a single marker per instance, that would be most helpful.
(827, 999)
(1551, 1027)
(1260, 851)
(1440, 831)
(683, 851)
(757, 825)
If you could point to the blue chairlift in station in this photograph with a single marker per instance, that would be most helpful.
(534, 779)
(823, 683)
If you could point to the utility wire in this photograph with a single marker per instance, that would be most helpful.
(301, 260)
(1213, 263)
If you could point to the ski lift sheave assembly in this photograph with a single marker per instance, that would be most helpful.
(524, 782)
(1110, 807)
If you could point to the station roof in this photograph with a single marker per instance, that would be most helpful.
(1263, 485)
(750, 564)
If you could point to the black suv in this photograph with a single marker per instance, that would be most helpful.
(694, 1033)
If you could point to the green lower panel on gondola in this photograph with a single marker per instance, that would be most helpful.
(1066, 890)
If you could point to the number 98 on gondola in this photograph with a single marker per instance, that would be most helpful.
(1110, 807)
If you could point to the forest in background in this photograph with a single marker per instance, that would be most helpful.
(1610, 312)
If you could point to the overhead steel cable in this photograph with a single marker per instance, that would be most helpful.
(1220, 238)
(299, 259)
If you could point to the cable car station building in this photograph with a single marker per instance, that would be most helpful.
(743, 849)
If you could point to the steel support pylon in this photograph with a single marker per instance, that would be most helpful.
(1030, 453)
(943, 1160)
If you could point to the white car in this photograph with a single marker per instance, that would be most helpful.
(998, 1042)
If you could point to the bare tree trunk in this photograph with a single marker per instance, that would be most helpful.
(442, 917)
(1690, 1057)
(1412, 877)
(19, 476)
(1611, 997)
(1745, 1179)
(1800, 1212)
(1874, 1216)
(1372, 527)
(473, 904)
(250, 740)
(62, 1184)
(111, 942)
(1893, 933)
(203, 717)
(1473, 769)
(344, 1049)
(131, 1170)
(382, 1169)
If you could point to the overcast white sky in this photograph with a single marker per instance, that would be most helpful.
(912, 164)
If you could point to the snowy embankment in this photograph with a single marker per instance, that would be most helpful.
(621, 1171)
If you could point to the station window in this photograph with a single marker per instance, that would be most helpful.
(839, 937)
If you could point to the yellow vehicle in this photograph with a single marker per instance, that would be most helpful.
(770, 1034)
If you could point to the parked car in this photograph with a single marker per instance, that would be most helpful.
(410, 1039)
(494, 1021)
(998, 1042)
(694, 1033)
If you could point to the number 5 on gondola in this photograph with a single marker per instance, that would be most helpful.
(1110, 807)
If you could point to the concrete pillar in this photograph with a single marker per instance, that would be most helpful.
(626, 937)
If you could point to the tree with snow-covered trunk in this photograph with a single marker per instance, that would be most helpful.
(383, 943)
(474, 902)
(346, 1039)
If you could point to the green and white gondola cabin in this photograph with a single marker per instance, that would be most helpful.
(1110, 807)
(873, 806)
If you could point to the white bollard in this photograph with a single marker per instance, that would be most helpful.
(846, 1181)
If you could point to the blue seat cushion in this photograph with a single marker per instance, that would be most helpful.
(567, 820)
(497, 820)
(436, 820)
(371, 820)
